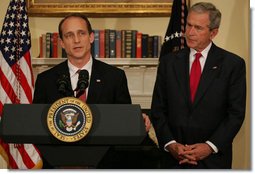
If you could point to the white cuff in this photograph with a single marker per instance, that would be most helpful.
(215, 149)
(170, 142)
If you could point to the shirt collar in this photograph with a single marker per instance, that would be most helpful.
(204, 52)
(73, 69)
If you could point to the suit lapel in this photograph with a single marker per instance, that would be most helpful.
(211, 69)
(181, 68)
(95, 86)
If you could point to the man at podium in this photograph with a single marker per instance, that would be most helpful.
(101, 83)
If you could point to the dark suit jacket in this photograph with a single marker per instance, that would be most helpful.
(217, 112)
(108, 85)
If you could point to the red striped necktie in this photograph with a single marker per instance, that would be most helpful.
(82, 95)
(195, 74)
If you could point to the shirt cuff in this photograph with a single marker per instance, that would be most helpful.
(170, 142)
(215, 149)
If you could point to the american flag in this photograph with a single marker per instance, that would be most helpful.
(174, 38)
(16, 79)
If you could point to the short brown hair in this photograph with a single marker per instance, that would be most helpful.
(79, 15)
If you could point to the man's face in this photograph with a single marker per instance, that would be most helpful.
(76, 38)
(198, 34)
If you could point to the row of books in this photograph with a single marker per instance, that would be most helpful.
(49, 46)
(108, 43)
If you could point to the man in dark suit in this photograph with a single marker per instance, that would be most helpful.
(107, 84)
(195, 126)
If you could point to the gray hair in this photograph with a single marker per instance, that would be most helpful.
(214, 13)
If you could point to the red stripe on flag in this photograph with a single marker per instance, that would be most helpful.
(29, 163)
(7, 87)
(24, 83)
(12, 162)
(29, 62)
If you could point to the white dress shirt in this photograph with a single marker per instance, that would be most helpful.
(74, 75)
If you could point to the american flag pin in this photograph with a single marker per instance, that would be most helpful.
(98, 80)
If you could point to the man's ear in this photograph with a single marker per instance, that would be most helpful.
(62, 43)
(91, 37)
(214, 32)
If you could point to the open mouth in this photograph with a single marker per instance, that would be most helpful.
(77, 48)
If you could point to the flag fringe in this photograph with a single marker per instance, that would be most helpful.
(38, 165)
(4, 155)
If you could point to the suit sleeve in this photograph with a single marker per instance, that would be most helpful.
(159, 106)
(39, 92)
(236, 97)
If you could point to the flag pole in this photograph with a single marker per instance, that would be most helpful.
(174, 38)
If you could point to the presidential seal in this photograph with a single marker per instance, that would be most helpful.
(69, 119)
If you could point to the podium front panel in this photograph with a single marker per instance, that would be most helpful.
(113, 124)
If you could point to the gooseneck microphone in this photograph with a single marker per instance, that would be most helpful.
(83, 80)
(63, 83)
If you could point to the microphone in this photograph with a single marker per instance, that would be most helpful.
(83, 80)
(63, 83)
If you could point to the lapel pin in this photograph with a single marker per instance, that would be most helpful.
(98, 80)
(215, 67)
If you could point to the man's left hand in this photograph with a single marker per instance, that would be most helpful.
(197, 151)
(147, 122)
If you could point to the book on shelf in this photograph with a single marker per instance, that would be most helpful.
(112, 44)
(118, 43)
(128, 43)
(150, 46)
(48, 45)
(40, 46)
(156, 46)
(138, 45)
(108, 43)
(101, 43)
(95, 45)
(145, 42)
(133, 44)
(123, 40)
(54, 41)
